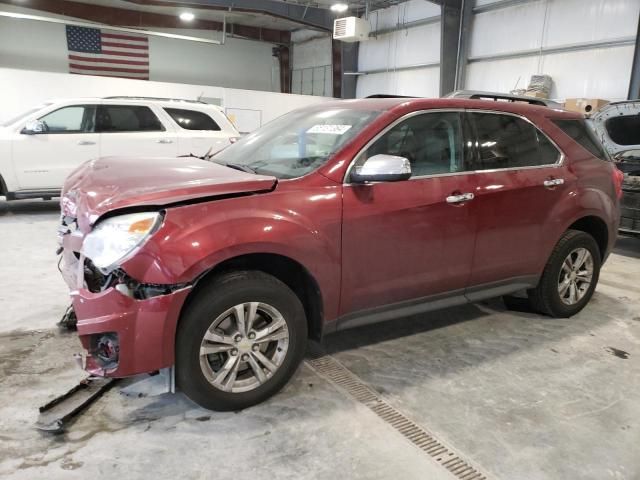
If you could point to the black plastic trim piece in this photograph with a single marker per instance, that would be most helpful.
(432, 302)
(25, 194)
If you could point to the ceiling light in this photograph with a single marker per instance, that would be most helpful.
(339, 7)
(187, 16)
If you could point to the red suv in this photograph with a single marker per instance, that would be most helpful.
(328, 218)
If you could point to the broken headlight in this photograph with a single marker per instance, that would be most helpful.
(115, 238)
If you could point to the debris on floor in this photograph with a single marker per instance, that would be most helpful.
(56, 414)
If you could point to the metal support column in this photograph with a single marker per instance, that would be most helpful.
(449, 41)
(634, 84)
(349, 64)
(466, 18)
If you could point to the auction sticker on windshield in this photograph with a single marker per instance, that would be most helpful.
(331, 129)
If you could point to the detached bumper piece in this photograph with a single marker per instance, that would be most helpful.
(56, 415)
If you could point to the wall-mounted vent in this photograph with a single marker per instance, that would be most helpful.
(351, 29)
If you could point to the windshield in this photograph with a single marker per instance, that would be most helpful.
(297, 143)
(23, 115)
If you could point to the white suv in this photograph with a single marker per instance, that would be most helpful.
(42, 146)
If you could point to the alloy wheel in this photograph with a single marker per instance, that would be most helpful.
(244, 347)
(575, 276)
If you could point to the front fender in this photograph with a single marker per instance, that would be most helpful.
(195, 238)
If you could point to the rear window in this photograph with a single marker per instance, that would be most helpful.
(624, 130)
(582, 134)
(192, 120)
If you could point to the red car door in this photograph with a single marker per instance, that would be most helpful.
(519, 181)
(403, 240)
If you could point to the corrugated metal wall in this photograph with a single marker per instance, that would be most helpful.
(311, 72)
(402, 62)
(585, 45)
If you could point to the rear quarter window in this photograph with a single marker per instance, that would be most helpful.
(582, 134)
(192, 119)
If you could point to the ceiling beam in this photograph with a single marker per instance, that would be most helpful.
(455, 4)
(134, 18)
(314, 17)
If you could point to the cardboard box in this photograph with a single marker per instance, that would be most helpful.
(584, 105)
(530, 93)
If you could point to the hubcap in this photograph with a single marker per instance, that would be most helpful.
(575, 276)
(244, 347)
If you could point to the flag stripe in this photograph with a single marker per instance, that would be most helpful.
(124, 37)
(118, 61)
(108, 69)
(125, 53)
(107, 74)
(125, 45)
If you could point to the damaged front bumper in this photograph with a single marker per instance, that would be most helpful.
(127, 328)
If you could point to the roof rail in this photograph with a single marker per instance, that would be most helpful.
(384, 95)
(505, 97)
(160, 99)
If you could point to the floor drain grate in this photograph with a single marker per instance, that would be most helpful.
(329, 368)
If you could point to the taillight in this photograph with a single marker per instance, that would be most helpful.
(618, 178)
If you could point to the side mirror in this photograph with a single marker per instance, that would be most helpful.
(382, 168)
(33, 127)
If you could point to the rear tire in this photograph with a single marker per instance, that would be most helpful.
(570, 276)
(239, 340)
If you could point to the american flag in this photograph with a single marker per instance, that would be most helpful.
(95, 52)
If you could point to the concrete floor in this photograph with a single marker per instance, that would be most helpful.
(520, 396)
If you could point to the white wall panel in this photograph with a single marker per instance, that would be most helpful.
(598, 73)
(507, 29)
(602, 73)
(423, 82)
(22, 89)
(405, 12)
(580, 21)
(500, 75)
(405, 47)
(312, 53)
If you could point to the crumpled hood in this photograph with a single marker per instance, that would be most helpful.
(607, 124)
(111, 183)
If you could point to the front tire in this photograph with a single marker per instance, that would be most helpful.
(570, 276)
(239, 340)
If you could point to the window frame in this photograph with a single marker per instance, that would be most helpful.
(468, 133)
(39, 118)
(396, 122)
(149, 107)
(559, 162)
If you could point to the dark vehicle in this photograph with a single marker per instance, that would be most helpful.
(618, 126)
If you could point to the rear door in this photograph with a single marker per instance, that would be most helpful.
(520, 181)
(407, 240)
(44, 160)
(134, 130)
(198, 131)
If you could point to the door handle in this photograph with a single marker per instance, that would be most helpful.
(165, 140)
(462, 197)
(553, 182)
(86, 142)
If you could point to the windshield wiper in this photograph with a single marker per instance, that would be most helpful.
(238, 166)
